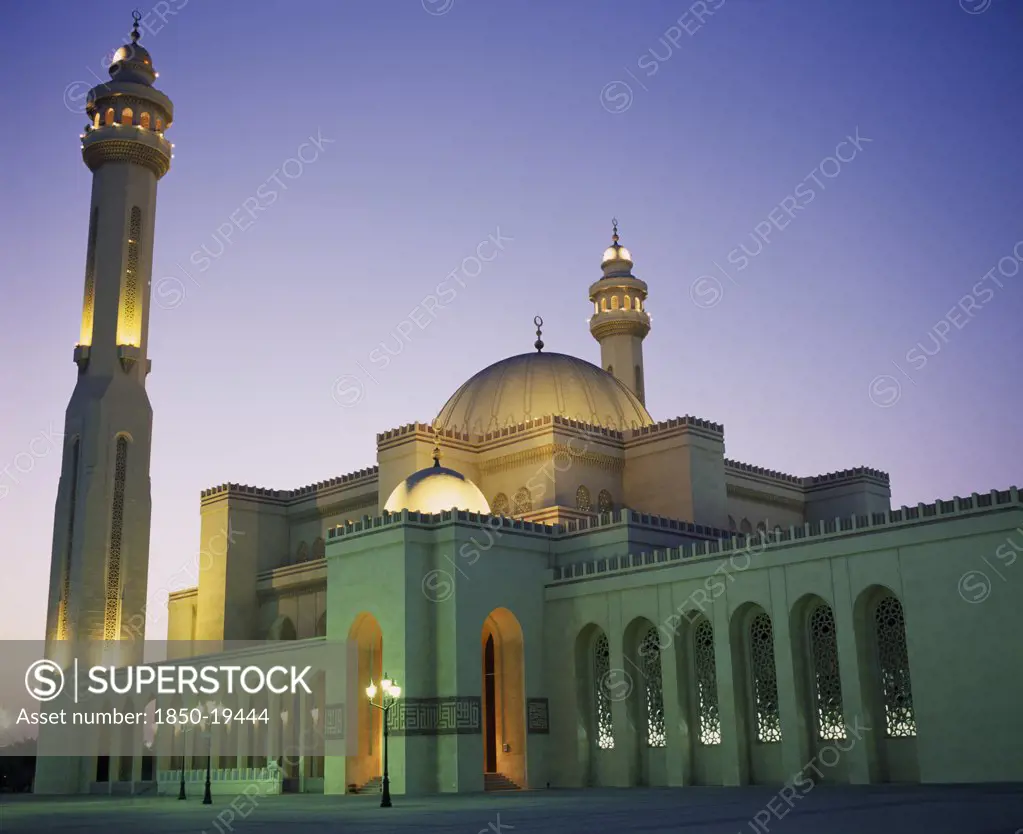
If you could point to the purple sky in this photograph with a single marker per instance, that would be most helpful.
(504, 118)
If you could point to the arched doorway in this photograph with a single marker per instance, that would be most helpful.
(366, 765)
(504, 700)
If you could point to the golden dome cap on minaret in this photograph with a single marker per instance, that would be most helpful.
(617, 252)
(132, 62)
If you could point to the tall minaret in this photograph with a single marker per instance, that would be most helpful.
(620, 321)
(100, 560)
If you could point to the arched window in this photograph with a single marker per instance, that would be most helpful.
(764, 678)
(321, 625)
(761, 527)
(893, 668)
(499, 506)
(523, 501)
(302, 553)
(604, 502)
(707, 710)
(109, 118)
(582, 499)
(731, 524)
(319, 549)
(596, 308)
(112, 610)
(126, 116)
(159, 124)
(639, 304)
(745, 527)
(601, 696)
(603, 304)
(628, 302)
(650, 659)
(95, 120)
(144, 120)
(614, 302)
(827, 684)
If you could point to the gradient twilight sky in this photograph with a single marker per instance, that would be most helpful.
(539, 120)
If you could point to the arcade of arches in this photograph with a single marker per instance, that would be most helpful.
(666, 695)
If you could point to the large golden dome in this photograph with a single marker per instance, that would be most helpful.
(535, 385)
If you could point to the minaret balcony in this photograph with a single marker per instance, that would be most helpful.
(614, 322)
(127, 143)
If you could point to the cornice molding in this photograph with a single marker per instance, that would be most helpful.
(549, 452)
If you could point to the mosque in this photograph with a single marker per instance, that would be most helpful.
(569, 591)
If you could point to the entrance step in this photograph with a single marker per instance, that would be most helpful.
(374, 785)
(498, 782)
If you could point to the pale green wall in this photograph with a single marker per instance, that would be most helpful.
(969, 724)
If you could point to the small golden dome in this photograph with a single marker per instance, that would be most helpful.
(436, 489)
(616, 253)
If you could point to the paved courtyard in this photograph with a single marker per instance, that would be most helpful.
(996, 809)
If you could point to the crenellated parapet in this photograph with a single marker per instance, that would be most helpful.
(848, 475)
(604, 521)
(411, 429)
(761, 472)
(731, 544)
(828, 479)
(644, 520)
(405, 517)
(283, 497)
(686, 421)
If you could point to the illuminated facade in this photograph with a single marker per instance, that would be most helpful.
(581, 594)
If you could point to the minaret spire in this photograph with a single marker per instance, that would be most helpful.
(538, 344)
(620, 321)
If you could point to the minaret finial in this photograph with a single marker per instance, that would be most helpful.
(614, 231)
(436, 453)
(538, 344)
(136, 15)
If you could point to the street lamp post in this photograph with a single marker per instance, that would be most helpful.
(389, 694)
(181, 790)
(207, 797)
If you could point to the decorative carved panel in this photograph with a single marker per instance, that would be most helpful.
(537, 717)
(456, 714)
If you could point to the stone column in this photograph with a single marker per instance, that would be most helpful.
(676, 729)
(303, 729)
(243, 741)
(795, 741)
(731, 700)
(860, 747)
(619, 687)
